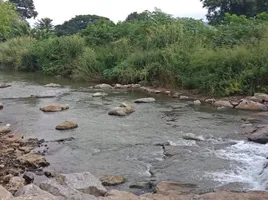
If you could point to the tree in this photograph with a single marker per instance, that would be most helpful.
(8, 16)
(218, 8)
(44, 24)
(76, 24)
(25, 8)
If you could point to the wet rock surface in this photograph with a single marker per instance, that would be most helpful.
(55, 108)
(258, 133)
(110, 180)
(67, 125)
(123, 110)
(53, 85)
(251, 105)
(145, 100)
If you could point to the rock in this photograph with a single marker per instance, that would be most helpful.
(52, 85)
(4, 85)
(13, 172)
(184, 97)
(119, 195)
(123, 110)
(261, 97)
(119, 86)
(50, 174)
(66, 125)
(222, 108)
(175, 188)
(261, 114)
(251, 105)
(28, 177)
(64, 139)
(1, 106)
(246, 125)
(26, 149)
(7, 178)
(197, 102)
(176, 95)
(55, 108)
(257, 134)
(112, 180)
(2, 166)
(33, 190)
(226, 195)
(13, 138)
(33, 160)
(99, 94)
(64, 184)
(5, 129)
(103, 86)
(167, 92)
(141, 185)
(15, 184)
(211, 101)
(191, 136)
(254, 99)
(145, 100)
(4, 194)
(40, 197)
(223, 103)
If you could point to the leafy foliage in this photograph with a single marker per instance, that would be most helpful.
(25, 8)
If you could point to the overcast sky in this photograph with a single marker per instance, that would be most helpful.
(116, 10)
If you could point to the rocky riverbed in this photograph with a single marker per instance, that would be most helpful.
(203, 146)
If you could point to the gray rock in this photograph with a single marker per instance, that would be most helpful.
(211, 101)
(223, 103)
(13, 172)
(38, 197)
(262, 97)
(103, 86)
(258, 134)
(197, 102)
(99, 94)
(123, 110)
(4, 194)
(52, 85)
(119, 86)
(4, 85)
(28, 177)
(5, 129)
(141, 185)
(251, 105)
(145, 100)
(1, 106)
(33, 190)
(72, 184)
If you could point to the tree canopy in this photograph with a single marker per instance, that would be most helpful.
(218, 8)
(76, 24)
(25, 8)
(44, 24)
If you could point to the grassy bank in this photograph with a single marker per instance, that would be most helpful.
(158, 50)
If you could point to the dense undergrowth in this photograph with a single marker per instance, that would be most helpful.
(159, 50)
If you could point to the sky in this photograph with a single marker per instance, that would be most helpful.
(116, 10)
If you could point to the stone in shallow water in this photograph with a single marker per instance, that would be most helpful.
(251, 105)
(5, 129)
(99, 94)
(103, 86)
(123, 110)
(52, 85)
(112, 180)
(223, 103)
(197, 102)
(33, 160)
(145, 100)
(66, 125)
(55, 108)
(4, 85)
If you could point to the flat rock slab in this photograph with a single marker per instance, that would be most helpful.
(55, 108)
(145, 100)
(52, 85)
(66, 125)
(103, 86)
(112, 180)
(123, 110)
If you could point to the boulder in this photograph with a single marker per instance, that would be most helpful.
(123, 110)
(66, 184)
(222, 108)
(223, 103)
(145, 100)
(52, 85)
(15, 184)
(197, 102)
(112, 180)
(211, 101)
(141, 185)
(66, 125)
(119, 86)
(261, 114)
(184, 97)
(4, 194)
(258, 134)
(103, 86)
(1, 106)
(33, 160)
(5, 129)
(28, 177)
(99, 94)
(176, 95)
(261, 97)
(33, 190)
(251, 105)
(55, 108)
(4, 85)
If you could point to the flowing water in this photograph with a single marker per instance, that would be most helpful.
(108, 145)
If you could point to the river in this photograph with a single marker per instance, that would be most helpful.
(107, 145)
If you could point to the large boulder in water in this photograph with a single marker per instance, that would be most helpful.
(66, 125)
(33, 191)
(261, 97)
(5, 129)
(123, 110)
(72, 184)
(103, 86)
(55, 108)
(145, 100)
(251, 105)
(258, 134)
(223, 103)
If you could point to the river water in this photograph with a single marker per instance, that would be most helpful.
(107, 145)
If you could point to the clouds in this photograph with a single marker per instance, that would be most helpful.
(116, 10)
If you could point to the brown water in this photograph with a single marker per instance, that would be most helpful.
(126, 146)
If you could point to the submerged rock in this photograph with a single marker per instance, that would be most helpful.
(197, 102)
(52, 85)
(145, 100)
(1, 106)
(123, 110)
(141, 185)
(251, 105)
(66, 125)
(112, 180)
(223, 103)
(55, 108)
(261, 114)
(103, 86)
(4, 85)
(33, 160)
(4, 194)
(99, 94)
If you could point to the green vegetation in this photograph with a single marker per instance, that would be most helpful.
(152, 48)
